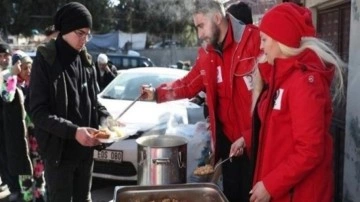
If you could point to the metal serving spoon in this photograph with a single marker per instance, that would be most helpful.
(130, 105)
(223, 161)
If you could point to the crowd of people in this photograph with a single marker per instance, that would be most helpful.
(264, 86)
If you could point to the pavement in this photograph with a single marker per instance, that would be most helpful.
(102, 191)
(99, 195)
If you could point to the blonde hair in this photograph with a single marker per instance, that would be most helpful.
(324, 52)
(258, 85)
(327, 55)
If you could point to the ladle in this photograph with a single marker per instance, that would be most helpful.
(109, 123)
(129, 106)
(223, 161)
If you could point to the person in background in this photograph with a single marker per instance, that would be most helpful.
(223, 70)
(241, 11)
(293, 148)
(4, 62)
(12, 161)
(32, 184)
(106, 72)
(50, 33)
(64, 106)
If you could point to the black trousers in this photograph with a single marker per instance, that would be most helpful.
(11, 180)
(237, 177)
(70, 181)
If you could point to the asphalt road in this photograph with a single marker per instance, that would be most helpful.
(102, 190)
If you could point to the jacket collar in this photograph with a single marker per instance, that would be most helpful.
(307, 60)
(235, 32)
(238, 27)
(66, 53)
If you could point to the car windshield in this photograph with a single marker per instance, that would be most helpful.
(127, 85)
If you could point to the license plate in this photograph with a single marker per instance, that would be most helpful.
(109, 155)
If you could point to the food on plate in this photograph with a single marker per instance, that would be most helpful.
(204, 170)
(114, 132)
(101, 134)
(118, 131)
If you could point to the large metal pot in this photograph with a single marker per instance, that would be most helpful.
(161, 159)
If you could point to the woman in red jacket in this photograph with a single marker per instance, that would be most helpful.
(292, 116)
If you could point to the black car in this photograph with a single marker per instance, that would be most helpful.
(127, 61)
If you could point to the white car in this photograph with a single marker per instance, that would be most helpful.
(119, 161)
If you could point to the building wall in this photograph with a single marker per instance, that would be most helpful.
(351, 190)
(313, 3)
(350, 158)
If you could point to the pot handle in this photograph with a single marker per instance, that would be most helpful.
(161, 161)
(180, 161)
(142, 157)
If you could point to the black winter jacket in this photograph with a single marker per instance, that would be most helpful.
(49, 101)
(15, 135)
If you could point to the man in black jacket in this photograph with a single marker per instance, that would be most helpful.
(64, 106)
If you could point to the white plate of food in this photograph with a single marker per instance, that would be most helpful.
(117, 133)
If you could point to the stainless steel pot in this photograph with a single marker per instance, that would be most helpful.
(161, 159)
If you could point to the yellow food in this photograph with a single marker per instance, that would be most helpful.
(204, 170)
(106, 130)
(118, 131)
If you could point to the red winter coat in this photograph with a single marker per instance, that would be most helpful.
(241, 47)
(295, 148)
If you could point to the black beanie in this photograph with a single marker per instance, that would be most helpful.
(72, 16)
(4, 48)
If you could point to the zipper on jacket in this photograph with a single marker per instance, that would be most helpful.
(256, 126)
(231, 68)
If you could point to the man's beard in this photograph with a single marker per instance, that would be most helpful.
(214, 40)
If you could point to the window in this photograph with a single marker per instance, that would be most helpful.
(125, 63)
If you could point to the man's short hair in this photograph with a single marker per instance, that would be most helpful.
(241, 11)
(208, 6)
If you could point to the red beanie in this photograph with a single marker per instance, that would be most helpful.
(287, 23)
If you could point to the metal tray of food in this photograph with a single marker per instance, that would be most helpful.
(193, 192)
